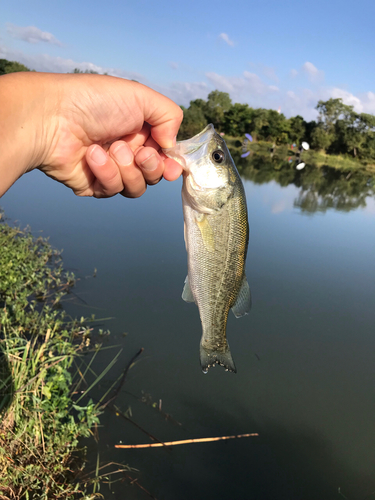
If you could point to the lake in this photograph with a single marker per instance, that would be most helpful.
(304, 355)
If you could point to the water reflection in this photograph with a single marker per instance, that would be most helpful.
(320, 188)
(310, 395)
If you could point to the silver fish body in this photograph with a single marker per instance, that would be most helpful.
(216, 237)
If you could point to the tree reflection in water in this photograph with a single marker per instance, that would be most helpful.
(321, 188)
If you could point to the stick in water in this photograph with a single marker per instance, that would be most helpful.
(184, 441)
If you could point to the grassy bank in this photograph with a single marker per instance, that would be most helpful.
(41, 421)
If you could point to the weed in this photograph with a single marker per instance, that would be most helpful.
(40, 422)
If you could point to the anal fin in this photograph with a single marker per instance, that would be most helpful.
(187, 294)
(242, 305)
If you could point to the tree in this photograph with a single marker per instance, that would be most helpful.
(275, 127)
(194, 122)
(217, 104)
(238, 119)
(330, 111)
(87, 71)
(199, 103)
(320, 139)
(11, 67)
(368, 147)
(260, 120)
(297, 129)
(349, 135)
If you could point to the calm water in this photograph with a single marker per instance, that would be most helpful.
(305, 354)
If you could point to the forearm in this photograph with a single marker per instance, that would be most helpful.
(22, 114)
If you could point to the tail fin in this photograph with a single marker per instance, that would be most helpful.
(210, 357)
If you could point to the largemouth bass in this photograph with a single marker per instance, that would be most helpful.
(216, 237)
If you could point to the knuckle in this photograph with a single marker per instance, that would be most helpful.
(133, 194)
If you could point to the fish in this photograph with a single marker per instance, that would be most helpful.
(216, 232)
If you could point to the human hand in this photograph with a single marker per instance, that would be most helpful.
(98, 135)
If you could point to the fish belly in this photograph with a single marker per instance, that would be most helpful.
(216, 244)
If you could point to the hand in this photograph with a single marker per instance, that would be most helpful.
(99, 135)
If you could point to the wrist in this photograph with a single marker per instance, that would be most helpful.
(25, 109)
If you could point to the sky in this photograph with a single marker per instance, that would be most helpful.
(274, 54)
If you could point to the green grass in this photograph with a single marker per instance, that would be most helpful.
(41, 423)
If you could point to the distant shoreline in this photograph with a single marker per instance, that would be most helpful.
(314, 158)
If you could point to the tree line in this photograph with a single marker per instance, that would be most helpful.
(338, 129)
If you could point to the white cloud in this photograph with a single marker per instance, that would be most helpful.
(47, 63)
(31, 34)
(245, 88)
(313, 73)
(301, 102)
(347, 98)
(221, 82)
(250, 88)
(368, 101)
(270, 73)
(225, 37)
(256, 84)
(184, 92)
(304, 101)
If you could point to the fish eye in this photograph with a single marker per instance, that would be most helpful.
(218, 156)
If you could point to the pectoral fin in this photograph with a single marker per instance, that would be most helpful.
(187, 294)
(206, 232)
(243, 302)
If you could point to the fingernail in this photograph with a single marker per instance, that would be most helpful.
(170, 144)
(173, 142)
(123, 155)
(98, 156)
(150, 163)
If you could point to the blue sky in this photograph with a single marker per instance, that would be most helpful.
(270, 54)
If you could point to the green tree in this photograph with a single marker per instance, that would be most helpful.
(367, 127)
(349, 135)
(275, 128)
(368, 147)
(330, 111)
(260, 120)
(330, 134)
(217, 104)
(194, 122)
(297, 129)
(320, 139)
(199, 103)
(238, 119)
(11, 67)
(87, 71)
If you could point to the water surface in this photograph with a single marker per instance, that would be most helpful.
(305, 354)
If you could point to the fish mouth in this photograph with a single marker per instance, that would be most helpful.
(190, 146)
(199, 139)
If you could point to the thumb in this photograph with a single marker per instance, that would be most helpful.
(163, 115)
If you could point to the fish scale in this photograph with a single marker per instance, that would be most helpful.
(216, 237)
